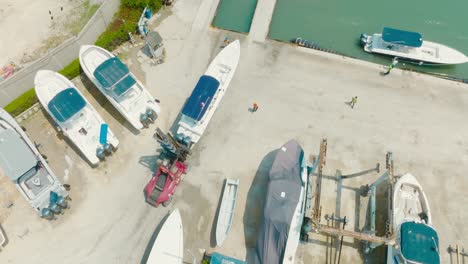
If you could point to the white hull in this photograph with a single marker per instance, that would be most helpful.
(296, 222)
(36, 200)
(131, 105)
(409, 201)
(83, 129)
(428, 53)
(226, 210)
(168, 248)
(222, 68)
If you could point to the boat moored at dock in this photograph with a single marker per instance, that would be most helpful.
(411, 47)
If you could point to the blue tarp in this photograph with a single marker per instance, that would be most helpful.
(419, 243)
(401, 37)
(65, 104)
(217, 258)
(113, 74)
(201, 97)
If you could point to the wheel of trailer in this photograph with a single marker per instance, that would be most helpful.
(168, 202)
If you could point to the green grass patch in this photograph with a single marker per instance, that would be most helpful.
(71, 70)
(22, 103)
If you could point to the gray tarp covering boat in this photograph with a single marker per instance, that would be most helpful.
(283, 194)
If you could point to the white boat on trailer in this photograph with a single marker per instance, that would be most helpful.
(411, 47)
(168, 248)
(22, 162)
(74, 116)
(226, 210)
(207, 94)
(113, 78)
(416, 239)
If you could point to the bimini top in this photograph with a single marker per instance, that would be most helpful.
(201, 97)
(16, 158)
(419, 243)
(66, 104)
(401, 37)
(113, 75)
(282, 198)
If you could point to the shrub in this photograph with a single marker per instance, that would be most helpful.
(22, 103)
(154, 5)
(71, 70)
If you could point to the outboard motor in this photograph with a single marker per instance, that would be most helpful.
(107, 149)
(151, 115)
(47, 214)
(364, 37)
(62, 202)
(100, 153)
(144, 119)
(55, 208)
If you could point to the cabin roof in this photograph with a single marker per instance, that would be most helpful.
(419, 243)
(113, 75)
(16, 157)
(402, 37)
(66, 104)
(201, 97)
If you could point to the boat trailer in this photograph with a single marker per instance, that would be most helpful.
(313, 223)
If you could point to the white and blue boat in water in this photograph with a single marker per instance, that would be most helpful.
(205, 98)
(410, 46)
(284, 208)
(74, 116)
(416, 240)
(22, 162)
(115, 81)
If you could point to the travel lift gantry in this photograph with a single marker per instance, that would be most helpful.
(313, 224)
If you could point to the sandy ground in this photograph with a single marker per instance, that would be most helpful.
(302, 95)
(27, 27)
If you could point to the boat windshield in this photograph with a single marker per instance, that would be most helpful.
(113, 75)
(419, 243)
(66, 104)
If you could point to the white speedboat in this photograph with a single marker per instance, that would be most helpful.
(284, 207)
(416, 239)
(207, 94)
(168, 248)
(24, 165)
(113, 78)
(226, 210)
(410, 46)
(74, 116)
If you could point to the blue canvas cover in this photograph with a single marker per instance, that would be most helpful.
(401, 37)
(16, 157)
(217, 258)
(113, 74)
(201, 97)
(419, 243)
(66, 104)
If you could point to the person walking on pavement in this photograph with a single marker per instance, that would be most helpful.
(353, 102)
(394, 63)
(255, 107)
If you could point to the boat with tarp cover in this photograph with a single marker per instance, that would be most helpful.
(411, 47)
(115, 81)
(24, 165)
(284, 208)
(416, 239)
(74, 116)
(205, 98)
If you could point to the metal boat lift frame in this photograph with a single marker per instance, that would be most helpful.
(369, 237)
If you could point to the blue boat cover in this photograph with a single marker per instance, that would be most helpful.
(401, 37)
(419, 243)
(217, 258)
(113, 74)
(201, 97)
(65, 104)
(103, 134)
